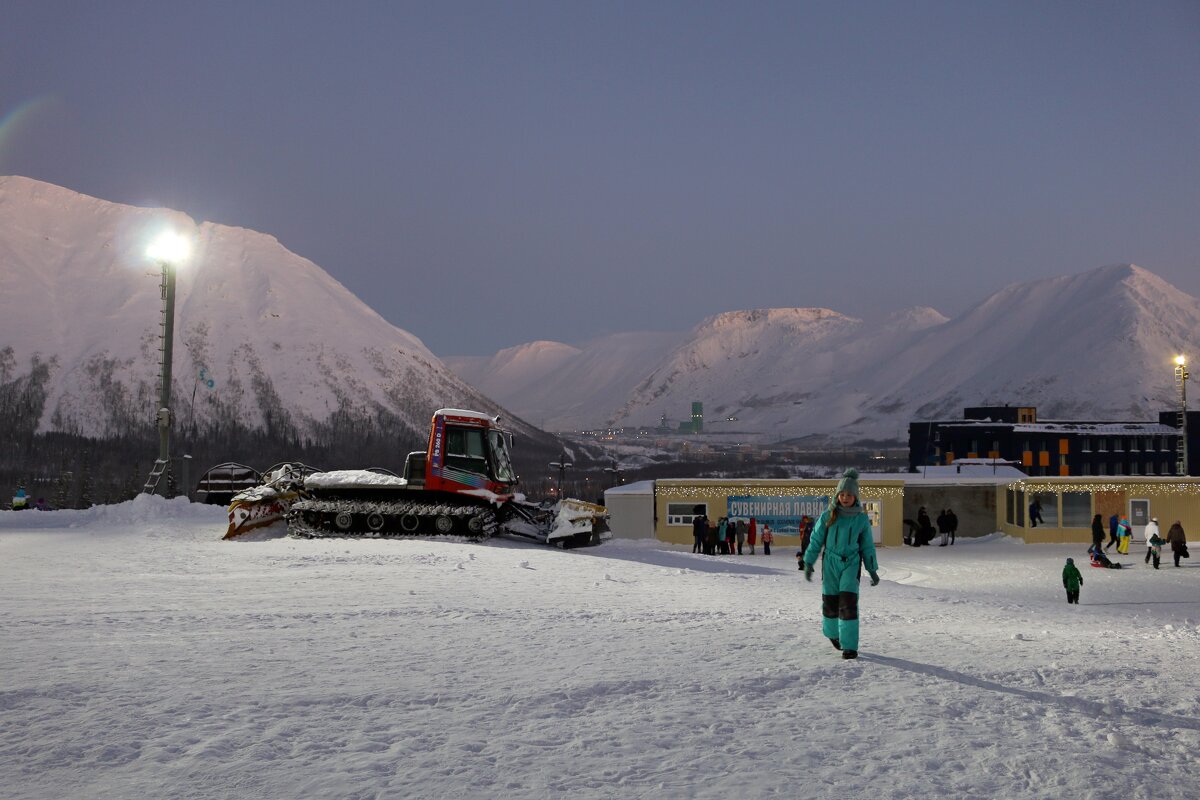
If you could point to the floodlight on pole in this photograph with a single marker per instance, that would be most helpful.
(169, 250)
(562, 465)
(1181, 376)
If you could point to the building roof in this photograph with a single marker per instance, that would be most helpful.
(1106, 428)
(638, 487)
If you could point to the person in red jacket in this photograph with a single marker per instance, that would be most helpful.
(752, 534)
(767, 538)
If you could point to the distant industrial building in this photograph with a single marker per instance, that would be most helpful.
(1057, 448)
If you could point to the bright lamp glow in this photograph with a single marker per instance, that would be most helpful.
(1180, 360)
(169, 248)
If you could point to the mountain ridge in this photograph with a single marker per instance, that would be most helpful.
(1091, 344)
(294, 354)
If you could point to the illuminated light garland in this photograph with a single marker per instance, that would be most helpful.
(693, 490)
(1153, 488)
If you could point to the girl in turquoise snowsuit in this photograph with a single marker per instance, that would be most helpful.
(844, 533)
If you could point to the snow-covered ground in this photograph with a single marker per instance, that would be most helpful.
(143, 657)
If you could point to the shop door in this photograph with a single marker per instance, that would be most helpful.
(874, 511)
(1139, 516)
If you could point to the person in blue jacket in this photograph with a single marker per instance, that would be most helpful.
(844, 534)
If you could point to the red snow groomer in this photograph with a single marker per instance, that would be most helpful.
(462, 484)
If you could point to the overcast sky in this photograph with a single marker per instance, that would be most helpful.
(486, 174)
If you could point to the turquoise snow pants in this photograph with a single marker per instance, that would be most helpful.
(839, 600)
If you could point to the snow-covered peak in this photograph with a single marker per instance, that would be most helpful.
(262, 335)
(914, 319)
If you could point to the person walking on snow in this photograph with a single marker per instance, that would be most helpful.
(752, 534)
(1151, 532)
(741, 534)
(1113, 522)
(943, 526)
(1155, 543)
(767, 538)
(952, 522)
(1125, 532)
(1072, 580)
(1178, 541)
(842, 540)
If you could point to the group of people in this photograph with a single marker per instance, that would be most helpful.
(921, 531)
(729, 536)
(841, 539)
(1120, 532)
(20, 501)
(1175, 537)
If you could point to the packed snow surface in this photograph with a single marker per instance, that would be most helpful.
(141, 656)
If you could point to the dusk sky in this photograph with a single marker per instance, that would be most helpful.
(486, 174)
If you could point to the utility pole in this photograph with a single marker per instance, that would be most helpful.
(169, 250)
(1181, 376)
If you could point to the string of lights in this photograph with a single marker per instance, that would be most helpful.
(693, 489)
(1154, 488)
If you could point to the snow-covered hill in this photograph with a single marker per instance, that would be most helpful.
(1092, 345)
(285, 346)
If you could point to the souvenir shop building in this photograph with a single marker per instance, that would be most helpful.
(664, 509)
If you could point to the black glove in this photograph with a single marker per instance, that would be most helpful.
(808, 570)
(874, 578)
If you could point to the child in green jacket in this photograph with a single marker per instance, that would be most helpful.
(1072, 580)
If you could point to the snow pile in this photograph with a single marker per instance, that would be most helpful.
(140, 656)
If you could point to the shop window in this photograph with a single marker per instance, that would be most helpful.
(1049, 501)
(1077, 509)
(684, 513)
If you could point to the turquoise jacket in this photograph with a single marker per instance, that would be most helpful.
(846, 543)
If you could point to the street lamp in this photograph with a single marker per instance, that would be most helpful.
(169, 250)
(615, 472)
(562, 465)
(1181, 376)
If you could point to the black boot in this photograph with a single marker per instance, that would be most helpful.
(836, 644)
(848, 654)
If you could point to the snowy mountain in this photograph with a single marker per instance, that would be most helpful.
(560, 387)
(1092, 345)
(268, 340)
(263, 336)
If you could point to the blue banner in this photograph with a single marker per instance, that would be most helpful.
(781, 513)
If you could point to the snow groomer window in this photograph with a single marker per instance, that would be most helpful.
(464, 449)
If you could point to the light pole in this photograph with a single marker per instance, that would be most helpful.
(615, 472)
(562, 465)
(1181, 376)
(169, 250)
